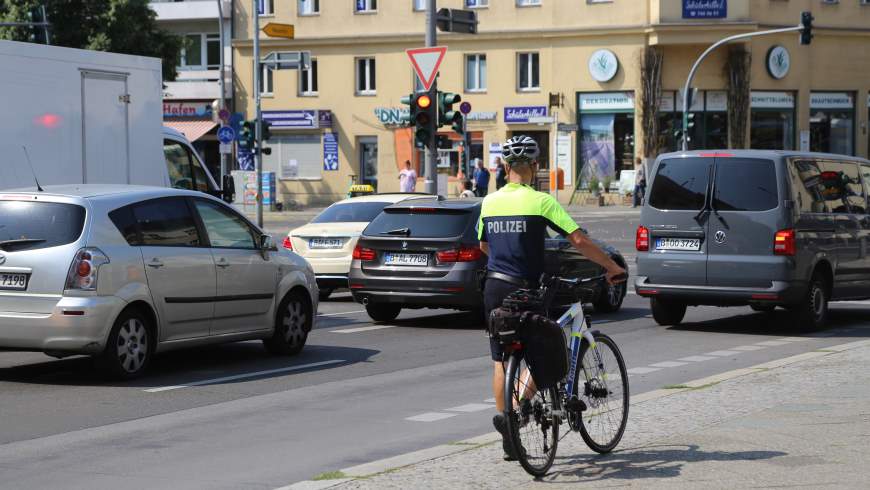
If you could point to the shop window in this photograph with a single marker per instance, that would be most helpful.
(832, 122)
(606, 135)
(708, 121)
(308, 80)
(368, 160)
(475, 72)
(309, 7)
(366, 6)
(528, 72)
(295, 156)
(201, 51)
(365, 76)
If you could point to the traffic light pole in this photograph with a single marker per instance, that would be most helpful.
(258, 129)
(431, 183)
(688, 86)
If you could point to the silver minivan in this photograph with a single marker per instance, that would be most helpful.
(761, 228)
(122, 272)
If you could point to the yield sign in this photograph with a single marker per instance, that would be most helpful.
(426, 62)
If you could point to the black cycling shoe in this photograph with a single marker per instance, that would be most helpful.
(500, 424)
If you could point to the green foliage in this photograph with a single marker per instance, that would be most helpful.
(119, 26)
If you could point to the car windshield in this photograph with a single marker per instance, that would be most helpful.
(28, 225)
(417, 223)
(351, 212)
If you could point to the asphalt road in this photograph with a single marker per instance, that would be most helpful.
(233, 417)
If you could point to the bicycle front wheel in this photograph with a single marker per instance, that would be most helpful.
(532, 424)
(602, 383)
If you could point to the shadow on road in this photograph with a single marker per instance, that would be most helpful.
(662, 461)
(841, 323)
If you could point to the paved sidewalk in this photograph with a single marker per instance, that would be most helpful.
(802, 421)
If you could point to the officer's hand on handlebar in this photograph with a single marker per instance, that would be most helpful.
(616, 275)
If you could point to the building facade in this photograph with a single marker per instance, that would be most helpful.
(189, 102)
(587, 53)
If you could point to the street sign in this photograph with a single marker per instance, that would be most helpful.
(465, 107)
(541, 120)
(288, 60)
(226, 134)
(224, 115)
(273, 29)
(226, 148)
(568, 127)
(455, 20)
(426, 62)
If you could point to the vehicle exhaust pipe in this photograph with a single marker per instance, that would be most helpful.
(365, 301)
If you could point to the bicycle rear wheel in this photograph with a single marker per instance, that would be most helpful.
(532, 424)
(602, 383)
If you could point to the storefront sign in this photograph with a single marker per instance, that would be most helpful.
(772, 100)
(831, 100)
(187, 109)
(778, 62)
(717, 101)
(481, 116)
(494, 155)
(324, 118)
(391, 116)
(295, 119)
(330, 151)
(705, 9)
(603, 65)
(522, 114)
(563, 155)
(607, 102)
(666, 102)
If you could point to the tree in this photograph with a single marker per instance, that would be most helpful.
(119, 26)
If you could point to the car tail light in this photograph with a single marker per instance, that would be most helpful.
(784, 242)
(362, 253)
(641, 241)
(462, 254)
(287, 243)
(84, 269)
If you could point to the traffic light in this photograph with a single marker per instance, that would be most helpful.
(446, 114)
(247, 136)
(408, 100)
(807, 27)
(423, 113)
(459, 125)
(266, 129)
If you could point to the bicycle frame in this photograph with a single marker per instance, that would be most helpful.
(579, 331)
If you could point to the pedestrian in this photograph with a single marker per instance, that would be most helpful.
(467, 193)
(481, 179)
(407, 178)
(500, 174)
(639, 183)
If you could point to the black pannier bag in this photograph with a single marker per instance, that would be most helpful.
(544, 346)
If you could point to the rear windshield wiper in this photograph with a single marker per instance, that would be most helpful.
(20, 241)
(398, 231)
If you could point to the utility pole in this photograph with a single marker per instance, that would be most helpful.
(258, 127)
(223, 97)
(431, 183)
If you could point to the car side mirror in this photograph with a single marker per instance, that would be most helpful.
(228, 189)
(267, 244)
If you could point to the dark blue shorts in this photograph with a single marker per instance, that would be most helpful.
(494, 293)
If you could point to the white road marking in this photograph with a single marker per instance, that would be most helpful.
(773, 343)
(668, 364)
(243, 376)
(341, 313)
(431, 416)
(697, 358)
(642, 370)
(362, 329)
(489, 400)
(795, 339)
(722, 353)
(471, 407)
(748, 348)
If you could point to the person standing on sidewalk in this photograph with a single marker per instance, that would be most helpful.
(481, 179)
(512, 227)
(639, 183)
(500, 174)
(407, 178)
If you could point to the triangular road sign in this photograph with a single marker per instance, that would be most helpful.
(426, 62)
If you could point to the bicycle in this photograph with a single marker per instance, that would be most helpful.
(593, 397)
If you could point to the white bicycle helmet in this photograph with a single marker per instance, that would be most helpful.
(520, 149)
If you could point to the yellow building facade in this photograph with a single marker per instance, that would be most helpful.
(586, 56)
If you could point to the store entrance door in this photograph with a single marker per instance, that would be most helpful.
(368, 161)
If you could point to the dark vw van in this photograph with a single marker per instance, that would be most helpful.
(758, 228)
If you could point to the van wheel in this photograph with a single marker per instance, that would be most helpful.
(610, 298)
(129, 348)
(667, 313)
(812, 312)
(383, 312)
(292, 325)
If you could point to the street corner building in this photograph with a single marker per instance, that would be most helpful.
(595, 82)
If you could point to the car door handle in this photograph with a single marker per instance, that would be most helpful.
(222, 262)
(155, 263)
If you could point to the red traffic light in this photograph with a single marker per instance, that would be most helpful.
(423, 102)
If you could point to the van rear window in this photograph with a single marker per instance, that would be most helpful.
(680, 183)
(29, 225)
(745, 184)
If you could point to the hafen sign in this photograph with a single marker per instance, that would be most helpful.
(187, 109)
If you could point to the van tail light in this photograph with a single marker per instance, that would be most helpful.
(462, 254)
(287, 243)
(641, 240)
(85, 268)
(364, 254)
(784, 242)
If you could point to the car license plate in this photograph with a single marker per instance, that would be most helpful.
(325, 243)
(691, 244)
(406, 259)
(16, 282)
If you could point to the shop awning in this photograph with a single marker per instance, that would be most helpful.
(192, 130)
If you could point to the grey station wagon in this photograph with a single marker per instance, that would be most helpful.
(758, 228)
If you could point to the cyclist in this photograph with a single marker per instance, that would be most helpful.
(512, 229)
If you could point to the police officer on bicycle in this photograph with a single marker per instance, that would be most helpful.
(512, 229)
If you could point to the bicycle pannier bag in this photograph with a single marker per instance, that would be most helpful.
(545, 349)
